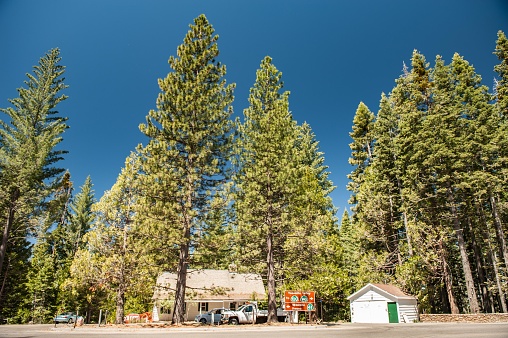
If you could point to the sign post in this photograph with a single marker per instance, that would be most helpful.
(299, 301)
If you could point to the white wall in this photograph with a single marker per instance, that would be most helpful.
(410, 309)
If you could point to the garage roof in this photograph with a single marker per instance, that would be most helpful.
(386, 290)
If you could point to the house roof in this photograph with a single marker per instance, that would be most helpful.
(386, 290)
(210, 284)
(392, 289)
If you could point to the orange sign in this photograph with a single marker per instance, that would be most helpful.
(299, 301)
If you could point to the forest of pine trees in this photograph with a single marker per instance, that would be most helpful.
(429, 207)
(428, 186)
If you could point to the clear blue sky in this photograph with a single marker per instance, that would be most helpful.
(332, 53)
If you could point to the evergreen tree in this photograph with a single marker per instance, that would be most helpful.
(216, 245)
(349, 259)
(14, 292)
(310, 253)
(113, 238)
(82, 216)
(361, 147)
(501, 87)
(41, 283)
(27, 156)
(501, 107)
(266, 178)
(184, 162)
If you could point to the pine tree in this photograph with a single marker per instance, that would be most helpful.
(501, 87)
(41, 284)
(265, 182)
(452, 87)
(28, 137)
(501, 107)
(361, 147)
(349, 238)
(113, 237)
(184, 163)
(82, 216)
(310, 260)
(498, 167)
(13, 288)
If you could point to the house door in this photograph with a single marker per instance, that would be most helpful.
(393, 315)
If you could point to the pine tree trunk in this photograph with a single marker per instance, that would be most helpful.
(447, 276)
(494, 262)
(120, 305)
(499, 229)
(408, 235)
(486, 295)
(181, 282)
(183, 258)
(499, 283)
(272, 305)
(120, 292)
(4, 281)
(493, 258)
(8, 227)
(466, 267)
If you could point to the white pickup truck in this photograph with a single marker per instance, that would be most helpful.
(249, 313)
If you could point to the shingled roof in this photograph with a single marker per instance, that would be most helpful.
(392, 289)
(210, 284)
(387, 289)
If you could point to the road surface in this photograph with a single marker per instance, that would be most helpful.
(346, 330)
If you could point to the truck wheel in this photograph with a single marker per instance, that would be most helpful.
(233, 321)
(202, 320)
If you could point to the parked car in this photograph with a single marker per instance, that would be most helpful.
(206, 318)
(66, 317)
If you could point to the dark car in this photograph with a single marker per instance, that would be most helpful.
(66, 317)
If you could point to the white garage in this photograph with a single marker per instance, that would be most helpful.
(382, 303)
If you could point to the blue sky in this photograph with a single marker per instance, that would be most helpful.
(332, 53)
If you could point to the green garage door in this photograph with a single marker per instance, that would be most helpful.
(393, 315)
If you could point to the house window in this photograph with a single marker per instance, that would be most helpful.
(232, 306)
(203, 306)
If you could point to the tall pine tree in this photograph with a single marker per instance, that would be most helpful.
(28, 154)
(184, 162)
(265, 182)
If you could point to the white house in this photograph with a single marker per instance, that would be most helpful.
(206, 289)
(382, 303)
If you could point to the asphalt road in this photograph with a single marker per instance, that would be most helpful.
(347, 330)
